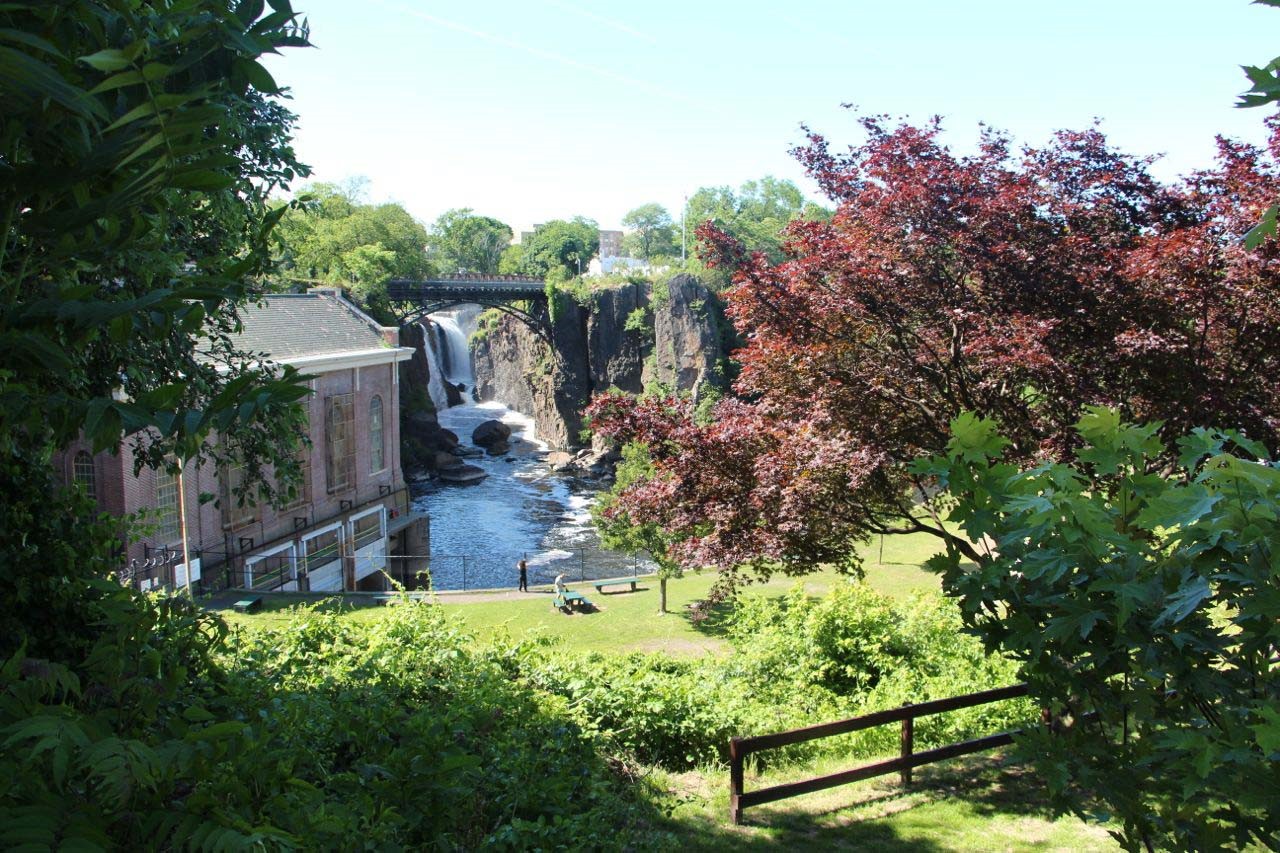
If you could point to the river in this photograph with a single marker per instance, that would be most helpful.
(521, 510)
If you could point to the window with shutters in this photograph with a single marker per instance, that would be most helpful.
(340, 443)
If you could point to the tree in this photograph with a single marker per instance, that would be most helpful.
(652, 232)
(332, 236)
(140, 143)
(1265, 90)
(461, 242)
(1144, 594)
(619, 531)
(565, 244)
(1019, 287)
(756, 215)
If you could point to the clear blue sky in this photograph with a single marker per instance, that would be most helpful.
(541, 109)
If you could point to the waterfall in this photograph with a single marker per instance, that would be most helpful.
(435, 385)
(456, 327)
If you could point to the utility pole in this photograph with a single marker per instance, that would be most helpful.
(684, 214)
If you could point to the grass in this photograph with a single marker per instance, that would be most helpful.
(978, 803)
(625, 621)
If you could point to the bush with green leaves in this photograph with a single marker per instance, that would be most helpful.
(401, 733)
(1147, 594)
(794, 662)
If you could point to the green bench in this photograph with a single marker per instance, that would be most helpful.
(570, 600)
(248, 605)
(601, 584)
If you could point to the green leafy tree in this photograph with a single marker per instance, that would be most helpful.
(1265, 90)
(1141, 603)
(139, 144)
(652, 233)
(461, 242)
(619, 531)
(565, 244)
(331, 236)
(512, 260)
(755, 215)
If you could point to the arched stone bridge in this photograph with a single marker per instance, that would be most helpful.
(503, 292)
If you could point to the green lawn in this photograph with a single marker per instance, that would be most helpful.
(627, 621)
(979, 803)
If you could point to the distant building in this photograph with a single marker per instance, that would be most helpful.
(353, 511)
(608, 265)
(610, 244)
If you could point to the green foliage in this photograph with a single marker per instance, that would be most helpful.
(461, 242)
(566, 246)
(796, 663)
(756, 214)
(1264, 90)
(652, 233)
(486, 324)
(639, 321)
(331, 236)
(1145, 595)
(398, 734)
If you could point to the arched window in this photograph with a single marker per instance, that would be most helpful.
(167, 526)
(377, 447)
(85, 475)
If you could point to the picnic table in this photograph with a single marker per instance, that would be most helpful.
(604, 582)
(570, 600)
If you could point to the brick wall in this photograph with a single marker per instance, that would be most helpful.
(120, 493)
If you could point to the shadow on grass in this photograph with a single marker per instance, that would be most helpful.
(881, 815)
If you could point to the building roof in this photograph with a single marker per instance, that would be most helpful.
(291, 326)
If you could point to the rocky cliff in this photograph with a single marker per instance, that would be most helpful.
(623, 337)
(686, 335)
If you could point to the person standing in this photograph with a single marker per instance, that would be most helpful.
(524, 575)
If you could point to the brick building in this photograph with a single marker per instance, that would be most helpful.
(353, 511)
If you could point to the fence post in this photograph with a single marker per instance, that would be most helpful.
(908, 745)
(735, 781)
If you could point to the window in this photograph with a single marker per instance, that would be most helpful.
(85, 475)
(377, 448)
(168, 528)
(340, 443)
(303, 495)
(235, 513)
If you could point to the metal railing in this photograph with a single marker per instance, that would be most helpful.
(490, 570)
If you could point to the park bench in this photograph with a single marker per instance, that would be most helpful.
(570, 600)
(247, 605)
(601, 584)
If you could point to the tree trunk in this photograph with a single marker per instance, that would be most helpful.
(662, 595)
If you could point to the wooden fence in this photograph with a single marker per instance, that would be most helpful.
(740, 748)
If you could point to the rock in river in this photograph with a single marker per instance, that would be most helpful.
(490, 432)
(463, 474)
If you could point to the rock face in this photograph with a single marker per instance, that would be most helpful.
(513, 364)
(686, 336)
(674, 338)
(421, 435)
(615, 354)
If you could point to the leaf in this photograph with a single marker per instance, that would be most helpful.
(1184, 602)
(975, 439)
(108, 59)
(1179, 506)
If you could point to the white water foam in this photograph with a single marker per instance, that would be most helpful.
(435, 384)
